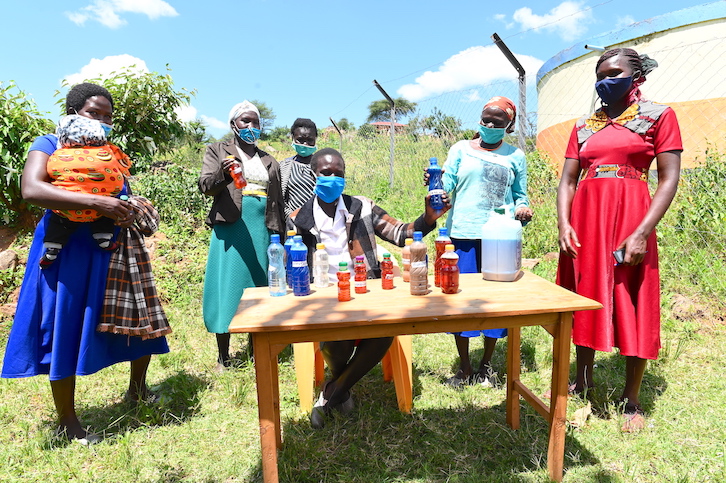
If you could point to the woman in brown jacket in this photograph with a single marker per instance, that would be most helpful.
(241, 220)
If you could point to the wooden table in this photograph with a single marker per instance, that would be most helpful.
(275, 322)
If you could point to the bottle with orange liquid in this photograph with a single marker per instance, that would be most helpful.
(441, 241)
(449, 270)
(406, 260)
(343, 282)
(360, 275)
(238, 175)
(387, 272)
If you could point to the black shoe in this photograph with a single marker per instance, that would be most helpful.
(49, 257)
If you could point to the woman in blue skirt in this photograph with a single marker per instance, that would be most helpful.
(59, 307)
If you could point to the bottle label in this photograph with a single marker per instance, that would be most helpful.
(360, 283)
(405, 261)
(389, 276)
(421, 264)
(299, 263)
(437, 192)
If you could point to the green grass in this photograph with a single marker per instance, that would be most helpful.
(206, 428)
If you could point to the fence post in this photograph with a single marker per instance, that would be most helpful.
(522, 90)
(391, 130)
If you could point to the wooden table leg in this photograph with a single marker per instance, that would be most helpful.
(268, 403)
(401, 360)
(513, 374)
(305, 373)
(558, 403)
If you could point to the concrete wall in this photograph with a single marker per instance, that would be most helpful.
(690, 47)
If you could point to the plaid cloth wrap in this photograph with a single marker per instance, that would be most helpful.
(131, 305)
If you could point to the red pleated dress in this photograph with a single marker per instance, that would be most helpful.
(610, 202)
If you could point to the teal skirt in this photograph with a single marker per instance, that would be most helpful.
(237, 260)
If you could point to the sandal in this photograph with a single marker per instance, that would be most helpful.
(633, 418)
(486, 377)
(459, 380)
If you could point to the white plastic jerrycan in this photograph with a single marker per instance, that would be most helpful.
(501, 247)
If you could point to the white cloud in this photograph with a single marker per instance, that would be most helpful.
(215, 123)
(473, 67)
(106, 12)
(569, 20)
(186, 113)
(104, 67)
(624, 22)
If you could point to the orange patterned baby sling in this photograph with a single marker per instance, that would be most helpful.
(98, 170)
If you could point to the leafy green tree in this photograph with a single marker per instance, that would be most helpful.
(144, 110)
(380, 110)
(20, 123)
(267, 116)
(367, 131)
(279, 133)
(441, 125)
(345, 125)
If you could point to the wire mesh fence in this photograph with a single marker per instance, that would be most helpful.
(692, 236)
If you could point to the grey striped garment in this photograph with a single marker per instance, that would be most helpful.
(298, 183)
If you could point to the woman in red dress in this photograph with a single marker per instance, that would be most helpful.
(611, 210)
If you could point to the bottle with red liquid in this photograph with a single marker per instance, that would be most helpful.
(238, 175)
(406, 260)
(441, 241)
(450, 270)
(343, 282)
(387, 272)
(360, 275)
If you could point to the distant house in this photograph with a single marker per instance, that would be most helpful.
(385, 126)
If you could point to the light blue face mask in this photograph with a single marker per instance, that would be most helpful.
(304, 150)
(249, 135)
(329, 188)
(106, 128)
(491, 135)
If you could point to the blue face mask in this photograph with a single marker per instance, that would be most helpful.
(612, 89)
(329, 188)
(106, 128)
(491, 135)
(303, 150)
(249, 135)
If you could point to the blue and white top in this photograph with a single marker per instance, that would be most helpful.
(478, 181)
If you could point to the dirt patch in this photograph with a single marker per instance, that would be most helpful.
(689, 309)
(7, 238)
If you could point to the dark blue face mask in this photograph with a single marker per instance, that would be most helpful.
(329, 188)
(612, 89)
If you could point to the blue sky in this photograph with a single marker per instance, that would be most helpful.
(313, 59)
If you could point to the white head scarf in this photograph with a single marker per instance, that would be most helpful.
(242, 107)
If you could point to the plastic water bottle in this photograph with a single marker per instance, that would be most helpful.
(361, 274)
(300, 272)
(436, 186)
(276, 267)
(450, 270)
(501, 247)
(441, 241)
(288, 258)
(387, 272)
(419, 267)
(406, 260)
(238, 176)
(320, 266)
(343, 282)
